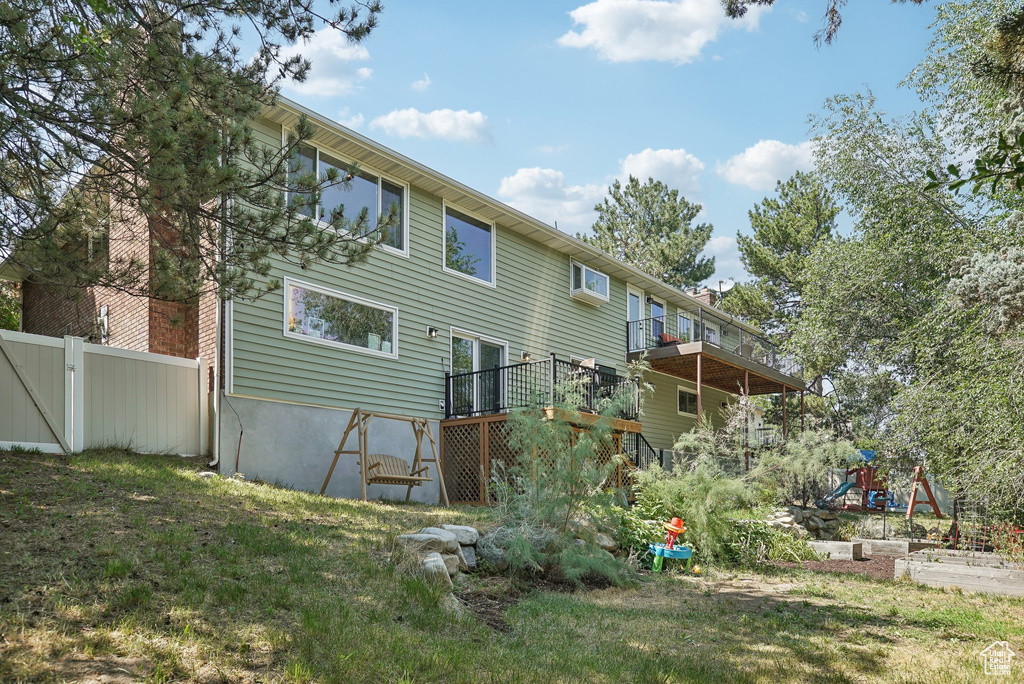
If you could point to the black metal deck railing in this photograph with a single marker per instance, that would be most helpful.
(704, 326)
(640, 451)
(538, 383)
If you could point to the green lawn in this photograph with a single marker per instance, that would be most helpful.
(133, 567)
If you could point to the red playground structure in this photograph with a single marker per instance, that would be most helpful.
(872, 486)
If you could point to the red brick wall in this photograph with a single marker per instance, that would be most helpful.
(186, 330)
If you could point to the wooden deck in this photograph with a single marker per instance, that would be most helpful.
(476, 449)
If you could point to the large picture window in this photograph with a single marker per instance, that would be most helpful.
(365, 190)
(319, 315)
(468, 245)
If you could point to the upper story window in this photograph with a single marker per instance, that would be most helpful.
(365, 190)
(587, 284)
(320, 315)
(468, 245)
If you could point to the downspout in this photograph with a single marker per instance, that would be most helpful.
(218, 340)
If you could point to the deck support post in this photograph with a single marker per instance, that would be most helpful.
(700, 413)
(746, 419)
(783, 413)
(801, 411)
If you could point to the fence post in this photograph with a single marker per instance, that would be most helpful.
(554, 377)
(447, 394)
(74, 393)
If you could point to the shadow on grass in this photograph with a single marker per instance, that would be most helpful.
(135, 561)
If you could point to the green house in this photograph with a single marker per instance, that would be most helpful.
(466, 310)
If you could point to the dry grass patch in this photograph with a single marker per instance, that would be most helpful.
(115, 565)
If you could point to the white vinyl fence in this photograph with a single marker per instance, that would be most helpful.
(65, 395)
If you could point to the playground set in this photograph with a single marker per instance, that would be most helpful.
(872, 490)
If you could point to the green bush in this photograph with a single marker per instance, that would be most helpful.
(755, 543)
(554, 499)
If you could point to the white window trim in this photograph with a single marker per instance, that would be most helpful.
(573, 292)
(291, 282)
(444, 246)
(467, 334)
(689, 390)
(477, 338)
(380, 176)
(633, 290)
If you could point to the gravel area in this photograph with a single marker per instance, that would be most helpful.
(879, 567)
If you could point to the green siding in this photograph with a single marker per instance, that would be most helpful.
(529, 308)
(662, 421)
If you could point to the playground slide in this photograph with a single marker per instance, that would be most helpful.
(837, 493)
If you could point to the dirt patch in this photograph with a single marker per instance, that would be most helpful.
(488, 609)
(879, 567)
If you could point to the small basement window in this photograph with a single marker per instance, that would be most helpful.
(588, 285)
(687, 402)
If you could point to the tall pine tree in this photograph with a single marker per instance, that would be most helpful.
(650, 226)
(786, 228)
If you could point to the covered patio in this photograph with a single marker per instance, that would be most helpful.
(709, 365)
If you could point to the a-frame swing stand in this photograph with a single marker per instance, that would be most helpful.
(385, 468)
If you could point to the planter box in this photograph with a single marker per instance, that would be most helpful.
(892, 547)
(983, 572)
(838, 550)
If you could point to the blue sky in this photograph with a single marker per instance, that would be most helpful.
(543, 104)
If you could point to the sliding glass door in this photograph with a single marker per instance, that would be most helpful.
(479, 385)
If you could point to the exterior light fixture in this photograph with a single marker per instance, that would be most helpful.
(525, 356)
(431, 332)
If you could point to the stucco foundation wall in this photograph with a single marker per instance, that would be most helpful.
(293, 445)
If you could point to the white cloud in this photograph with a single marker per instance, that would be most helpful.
(544, 194)
(421, 84)
(332, 61)
(346, 118)
(758, 167)
(442, 124)
(659, 30)
(676, 168)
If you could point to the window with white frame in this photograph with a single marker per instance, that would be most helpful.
(468, 245)
(320, 315)
(588, 284)
(363, 190)
(687, 402)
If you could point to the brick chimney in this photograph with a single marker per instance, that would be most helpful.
(707, 296)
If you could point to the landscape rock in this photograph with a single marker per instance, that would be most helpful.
(429, 542)
(493, 556)
(465, 535)
(452, 563)
(206, 474)
(828, 515)
(435, 570)
(469, 554)
(813, 523)
(605, 542)
(451, 604)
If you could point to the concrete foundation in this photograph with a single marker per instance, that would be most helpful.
(293, 446)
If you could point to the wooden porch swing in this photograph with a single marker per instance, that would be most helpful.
(385, 468)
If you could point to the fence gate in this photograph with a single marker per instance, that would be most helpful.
(65, 395)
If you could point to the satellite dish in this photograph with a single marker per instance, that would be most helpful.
(726, 285)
